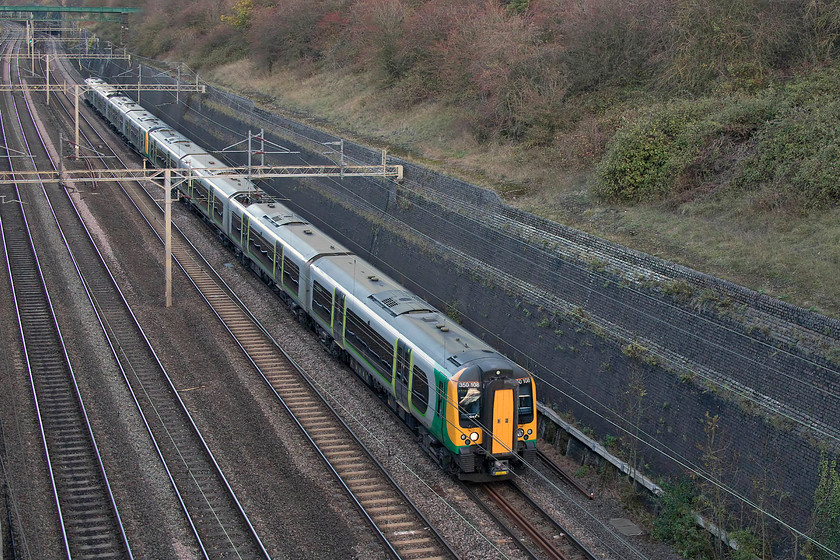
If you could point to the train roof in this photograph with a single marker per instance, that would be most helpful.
(136, 113)
(101, 86)
(296, 232)
(207, 166)
(200, 159)
(178, 145)
(439, 337)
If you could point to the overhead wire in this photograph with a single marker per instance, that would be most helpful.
(674, 456)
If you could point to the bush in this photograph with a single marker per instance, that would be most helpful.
(798, 153)
(735, 43)
(223, 45)
(820, 31)
(677, 149)
(676, 525)
(826, 513)
(645, 158)
(604, 42)
(373, 34)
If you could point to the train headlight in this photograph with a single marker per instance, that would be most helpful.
(474, 436)
(520, 432)
(530, 431)
(463, 436)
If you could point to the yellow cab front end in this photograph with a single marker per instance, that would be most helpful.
(491, 419)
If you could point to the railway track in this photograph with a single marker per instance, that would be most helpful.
(538, 535)
(220, 525)
(402, 527)
(88, 516)
(569, 479)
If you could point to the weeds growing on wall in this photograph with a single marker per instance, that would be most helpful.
(826, 513)
(677, 525)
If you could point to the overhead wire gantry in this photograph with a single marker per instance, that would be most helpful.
(166, 176)
(156, 175)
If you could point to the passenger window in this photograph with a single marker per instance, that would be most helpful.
(366, 340)
(419, 390)
(291, 275)
(321, 301)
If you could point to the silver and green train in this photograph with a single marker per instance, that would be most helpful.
(474, 408)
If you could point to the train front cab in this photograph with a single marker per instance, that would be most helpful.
(491, 419)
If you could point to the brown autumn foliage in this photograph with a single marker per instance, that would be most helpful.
(512, 66)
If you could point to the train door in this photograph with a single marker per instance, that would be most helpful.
(338, 317)
(503, 422)
(499, 415)
(403, 370)
(242, 239)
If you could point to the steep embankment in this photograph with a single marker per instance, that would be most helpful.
(714, 221)
(700, 132)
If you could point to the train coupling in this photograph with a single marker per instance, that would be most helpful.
(500, 468)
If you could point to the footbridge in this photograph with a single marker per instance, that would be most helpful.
(74, 13)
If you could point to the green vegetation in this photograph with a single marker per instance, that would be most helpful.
(453, 312)
(702, 131)
(826, 515)
(676, 523)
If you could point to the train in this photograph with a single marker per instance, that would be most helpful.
(472, 408)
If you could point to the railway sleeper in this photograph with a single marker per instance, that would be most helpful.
(341, 455)
(304, 406)
(417, 541)
(374, 501)
(422, 553)
(371, 494)
(337, 446)
(359, 485)
(324, 430)
(384, 519)
(343, 461)
(400, 526)
(368, 481)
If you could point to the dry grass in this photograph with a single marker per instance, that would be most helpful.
(793, 257)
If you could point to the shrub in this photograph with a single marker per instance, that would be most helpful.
(240, 16)
(798, 156)
(676, 525)
(740, 42)
(820, 30)
(676, 149)
(427, 37)
(608, 43)
(223, 44)
(495, 65)
(647, 156)
(373, 34)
